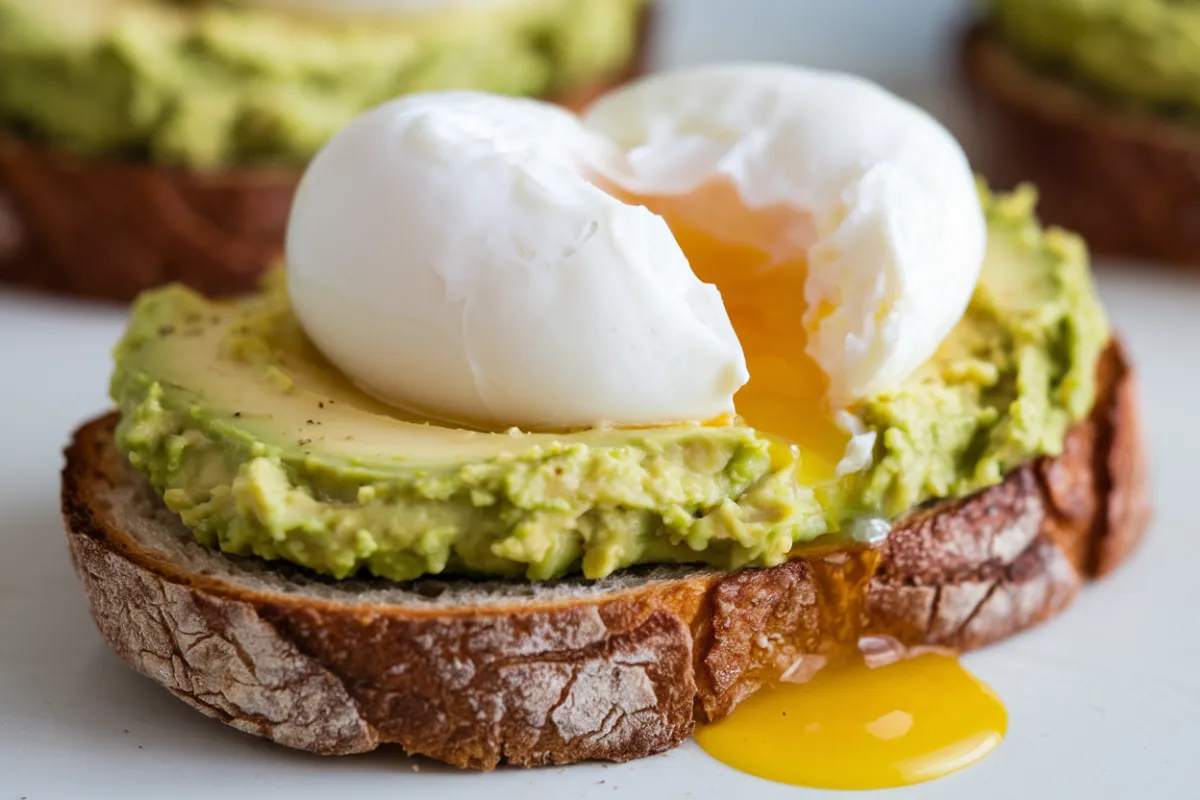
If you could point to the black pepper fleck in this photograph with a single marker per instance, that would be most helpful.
(166, 330)
(320, 405)
(237, 413)
(309, 422)
(304, 442)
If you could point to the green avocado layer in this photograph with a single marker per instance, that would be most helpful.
(1010, 379)
(210, 84)
(1142, 52)
(264, 449)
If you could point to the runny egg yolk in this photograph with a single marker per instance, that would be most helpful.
(850, 727)
(757, 258)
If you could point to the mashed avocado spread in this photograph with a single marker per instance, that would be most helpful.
(264, 449)
(211, 84)
(1142, 52)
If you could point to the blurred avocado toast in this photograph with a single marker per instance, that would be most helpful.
(363, 573)
(1097, 102)
(150, 141)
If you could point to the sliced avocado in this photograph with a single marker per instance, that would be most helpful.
(265, 449)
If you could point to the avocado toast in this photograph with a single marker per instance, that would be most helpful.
(1097, 104)
(150, 141)
(560, 435)
(629, 661)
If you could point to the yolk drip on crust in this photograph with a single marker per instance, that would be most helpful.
(850, 726)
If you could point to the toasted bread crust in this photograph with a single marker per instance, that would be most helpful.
(613, 675)
(111, 229)
(1126, 182)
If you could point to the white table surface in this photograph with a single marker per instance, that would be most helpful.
(1104, 702)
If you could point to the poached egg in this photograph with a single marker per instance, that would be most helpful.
(768, 242)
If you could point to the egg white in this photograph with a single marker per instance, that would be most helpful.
(446, 252)
(900, 233)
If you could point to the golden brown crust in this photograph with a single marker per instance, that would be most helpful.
(1120, 465)
(1126, 182)
(613, 674)
(109, 229)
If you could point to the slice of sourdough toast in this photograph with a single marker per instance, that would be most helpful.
(1124, 179)
(476, 673)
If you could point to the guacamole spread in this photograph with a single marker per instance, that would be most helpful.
(264, 449)
(1143, 52)
(216, 84)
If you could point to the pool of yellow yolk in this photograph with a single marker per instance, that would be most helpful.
(850, 727)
